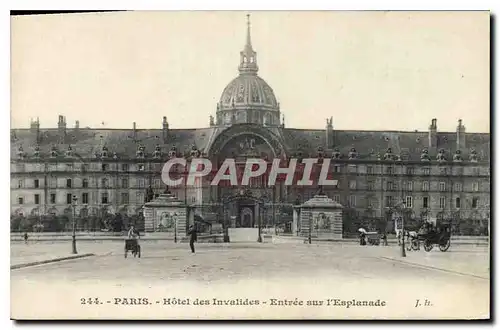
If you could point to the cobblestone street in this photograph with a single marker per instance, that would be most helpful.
(451, 280)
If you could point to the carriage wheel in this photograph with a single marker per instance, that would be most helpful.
(415, 245)
(428, 245)
(409, 246)
(444, 247)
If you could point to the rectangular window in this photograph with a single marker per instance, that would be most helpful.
(425, 186)
(409, 202)
(352, 168)
(125, 167)
(457, 202)
(442, 202)
(475, 186)
(390, 185)
(52, 198)
(388, 201)
(85, 167)
(370, 185)
(37, 199)
(475, 171)
(124, 183)
(105, 167)
(104, 183)
(139, 197)
(124, 198)
(85, 198)
(53, 182)
(20, 167)
(410, 170)
(369, 169)
(475, 202)
(336, 168)
(443, 170)
(140, 167)
(68, 183)
(69, 167)
(336, 198)
(426, 171)
(442, 186)
(352, 200)
(20, 200)
(20, 183)
(352, 184)
(409, 186)
(458, 186)
(69, 197)
(425, 202)
(85, 183)
(140, 183)
(389, 170)
(104, 198)
(37, 183)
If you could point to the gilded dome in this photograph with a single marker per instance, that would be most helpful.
(248, 90)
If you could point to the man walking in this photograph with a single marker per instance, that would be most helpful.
(193, 238)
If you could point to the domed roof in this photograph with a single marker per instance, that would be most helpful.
(248, 90)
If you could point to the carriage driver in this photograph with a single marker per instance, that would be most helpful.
(133, 233)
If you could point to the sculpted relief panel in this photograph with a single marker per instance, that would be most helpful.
(247, 146)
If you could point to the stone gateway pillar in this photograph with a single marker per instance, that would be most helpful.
(319, 217)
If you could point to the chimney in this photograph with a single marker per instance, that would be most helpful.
(433, 136)
(165, 129)
(77, 124)
(35, 126)
(329, 133)
(460, 136)
(134, 132)
(61, 127)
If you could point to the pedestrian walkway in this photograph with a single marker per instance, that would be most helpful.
(32, 252)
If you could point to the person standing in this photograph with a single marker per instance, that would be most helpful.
(26, 238)
(193, 237)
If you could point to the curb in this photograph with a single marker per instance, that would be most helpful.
(35, 263)
(434, 268)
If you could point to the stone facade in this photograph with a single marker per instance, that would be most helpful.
(440, 175)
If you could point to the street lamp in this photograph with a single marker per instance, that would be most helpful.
(403, 251)
(310, 229)
(75, 199)
(175, 227)
(259, 239)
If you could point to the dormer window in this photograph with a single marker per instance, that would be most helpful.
(440, 156)
(388, 154)
(195, 153)
(457, 157)
(140, 152)
(321, 152)
(69, 152)
(173, 152)
(425, 156)
(473, 156)
(53, 152)
(20, 152)
(353, 154)
(140, 167)
(104, 152)
(37, 151)
(157, 152)
(336, 154)
(115, 156)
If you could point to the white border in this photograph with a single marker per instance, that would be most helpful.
(6, 6)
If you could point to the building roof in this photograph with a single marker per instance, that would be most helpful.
(86, 143)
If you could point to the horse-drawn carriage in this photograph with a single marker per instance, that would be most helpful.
(431, 236)
(134, 246)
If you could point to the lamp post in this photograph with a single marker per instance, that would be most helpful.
(75, 199)
(259, 239)
(310, 229)
(175, 228)
(403, 251)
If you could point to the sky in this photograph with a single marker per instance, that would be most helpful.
(367, 70)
